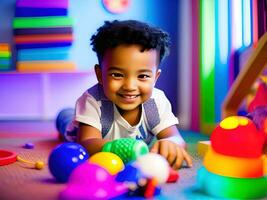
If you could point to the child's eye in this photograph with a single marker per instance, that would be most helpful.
(143, 76)
(116, 75)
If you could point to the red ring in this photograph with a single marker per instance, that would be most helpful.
(7, 157)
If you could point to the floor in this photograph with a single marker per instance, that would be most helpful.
(21, 181)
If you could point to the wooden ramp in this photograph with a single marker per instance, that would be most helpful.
(245, 79)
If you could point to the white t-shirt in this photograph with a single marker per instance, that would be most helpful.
(88, 111)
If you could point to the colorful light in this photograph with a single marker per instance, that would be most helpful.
(221, 54)
(207, 64)
(246, 22)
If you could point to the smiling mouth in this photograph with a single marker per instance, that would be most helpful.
(127, 96)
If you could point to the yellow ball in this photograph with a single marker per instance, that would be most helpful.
(109, 161)
(39, 165)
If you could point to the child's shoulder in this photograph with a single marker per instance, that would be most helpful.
(96, 91)
(157, 93)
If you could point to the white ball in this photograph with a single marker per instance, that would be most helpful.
(154, 165)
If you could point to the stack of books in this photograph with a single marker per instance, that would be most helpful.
(43, 35)
(5, 56)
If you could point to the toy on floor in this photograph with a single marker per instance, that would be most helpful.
(96, 180)
(28, 145)
(109, 161)
(8, 157)
(128, 149)
(203, 147)
(173, 176)
(144, 179)
(37, 165)
(234, 162)
(65, 158)
(153, 165)
(237, 136)
(90, 181)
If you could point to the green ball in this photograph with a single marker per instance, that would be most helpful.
(128, 149)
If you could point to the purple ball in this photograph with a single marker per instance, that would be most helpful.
(90, 181)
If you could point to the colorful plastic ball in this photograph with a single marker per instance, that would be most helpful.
(65, 158)
(237, 136)
(109, 161)
(91, 181)
(153, 165)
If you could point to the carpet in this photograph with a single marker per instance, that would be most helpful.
(19, 181)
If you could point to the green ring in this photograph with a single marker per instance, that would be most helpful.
(228, 187)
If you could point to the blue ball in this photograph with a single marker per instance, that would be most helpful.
(65, 158)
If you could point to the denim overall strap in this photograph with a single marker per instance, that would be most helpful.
(151, 112)
(107, 110)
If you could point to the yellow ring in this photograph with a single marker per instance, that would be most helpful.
(230, 166)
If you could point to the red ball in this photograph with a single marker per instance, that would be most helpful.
(237, 136)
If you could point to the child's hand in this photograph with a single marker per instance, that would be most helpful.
(174, 153)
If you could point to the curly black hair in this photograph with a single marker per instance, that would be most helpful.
(115, 33)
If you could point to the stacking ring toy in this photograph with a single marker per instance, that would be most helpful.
(233, 166)
(227, 187)
(265, 164)
(237, 136)
(7, 157)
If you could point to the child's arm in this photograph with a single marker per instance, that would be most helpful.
(171, 146)
(91, 138)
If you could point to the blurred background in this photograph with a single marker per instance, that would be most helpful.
(46, 60)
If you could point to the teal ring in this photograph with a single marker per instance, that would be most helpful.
(228, 187)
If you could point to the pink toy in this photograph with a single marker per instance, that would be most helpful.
(260, 98)
(90, 181)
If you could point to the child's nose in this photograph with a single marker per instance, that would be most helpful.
(129, 84)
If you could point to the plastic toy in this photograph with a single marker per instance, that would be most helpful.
(28, 145)
(151, 188)
(109, 161)
(37, 164)
(265, 165)
(227, 187)
(7, 157)
(233, 166)
(260, 98)
(203, 147)
(90, 181)
(173, 176)
(65, 158)
(237, 136)
(129, 174)
(128, 149)
(153, 165)
(259, 117)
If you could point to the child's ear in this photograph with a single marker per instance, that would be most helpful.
(98, 73)
(157, 75)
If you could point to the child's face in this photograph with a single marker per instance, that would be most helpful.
(128, 75)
